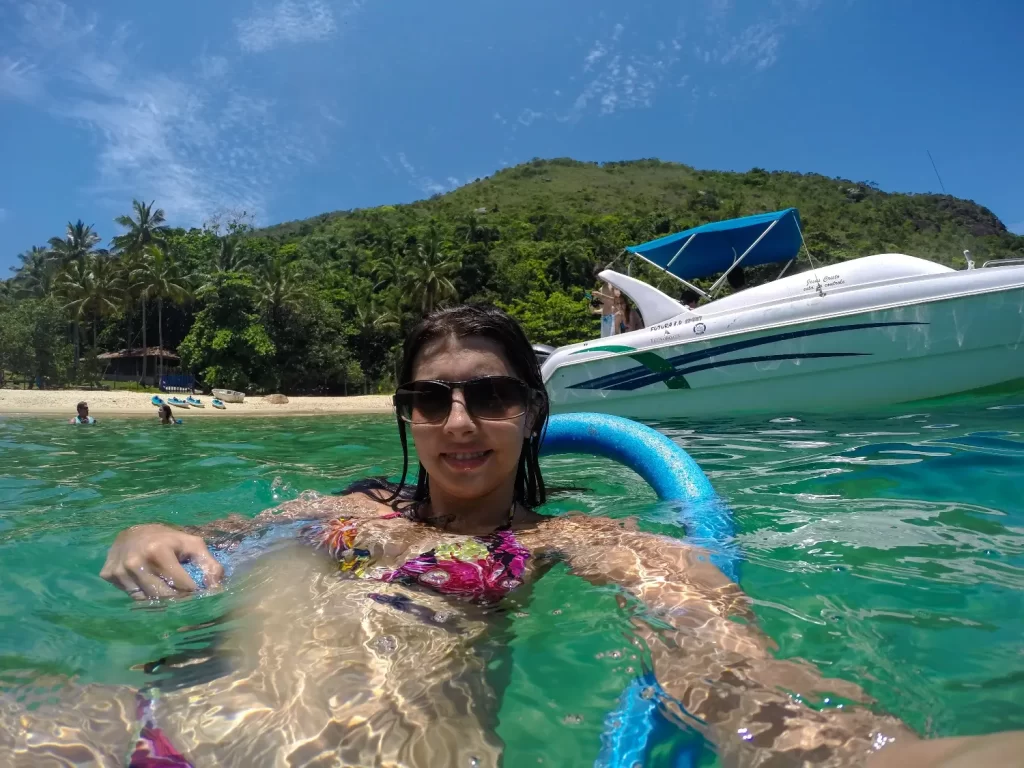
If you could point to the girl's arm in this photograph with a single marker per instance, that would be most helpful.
(714, 665)
(145, 560)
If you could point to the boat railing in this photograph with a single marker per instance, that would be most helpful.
(1003, 263)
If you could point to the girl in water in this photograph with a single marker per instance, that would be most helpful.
(392, 663)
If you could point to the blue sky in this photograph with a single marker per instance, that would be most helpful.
(289, 108)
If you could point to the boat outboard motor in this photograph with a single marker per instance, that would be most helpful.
(543, 352)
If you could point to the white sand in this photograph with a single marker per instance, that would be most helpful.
(62, 402)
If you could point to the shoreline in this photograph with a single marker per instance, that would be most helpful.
(122, 404)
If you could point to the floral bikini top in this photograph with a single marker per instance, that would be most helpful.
(482, 568)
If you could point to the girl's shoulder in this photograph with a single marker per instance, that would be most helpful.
(315, 506)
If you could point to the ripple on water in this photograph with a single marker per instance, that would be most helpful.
(222, 461)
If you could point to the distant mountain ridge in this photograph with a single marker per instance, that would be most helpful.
(842, 219)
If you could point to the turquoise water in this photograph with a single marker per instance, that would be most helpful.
(886, 549)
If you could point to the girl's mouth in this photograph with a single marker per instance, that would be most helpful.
(464, 461)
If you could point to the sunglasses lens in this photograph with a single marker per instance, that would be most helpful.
(496, 397)
(423, 402)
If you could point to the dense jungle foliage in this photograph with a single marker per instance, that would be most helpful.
(322, 305)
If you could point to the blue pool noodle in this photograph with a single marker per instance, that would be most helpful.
(675, 477)
(667, 468)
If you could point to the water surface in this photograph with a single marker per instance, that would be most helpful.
(886, 549)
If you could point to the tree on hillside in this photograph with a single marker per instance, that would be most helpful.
(74, 284)
(146, 228)
(229, 257)
(129, 288)
(89, 287)
(160, 277)
(375, 333)
(33, 341)
(472, 230)
(77, 243)
(279, 287)
(37, 275)
(431, 275)
(390, 269)
(104, 289)
(228, 345)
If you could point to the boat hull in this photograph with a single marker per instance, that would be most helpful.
(849, 362)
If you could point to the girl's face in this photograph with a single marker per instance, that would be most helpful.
(468, 458)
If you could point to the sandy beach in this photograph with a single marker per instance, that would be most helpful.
(62, 402)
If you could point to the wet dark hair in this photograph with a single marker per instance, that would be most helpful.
(466, 321)
(165, 409)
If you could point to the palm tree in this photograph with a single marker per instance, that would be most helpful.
(77, 243)
(229, 258)
(130, 289)
(88, 286)
(159, 277)
(74, 284)
(391, 269)
(37, 275)
(104, 288)
(370, 317)
(371, 320)
(279, 287)
(147, 228)
(431, 275)
(473, 230)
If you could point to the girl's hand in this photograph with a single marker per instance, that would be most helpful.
(145, 561)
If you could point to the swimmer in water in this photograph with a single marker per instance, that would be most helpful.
(374, 639)
(83, 416)
(166, 416)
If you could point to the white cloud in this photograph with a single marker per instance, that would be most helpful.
(212, 67)
(289, 21)
(424, 184)
(19, 79)
(406, 164)
(596, 53)
(197, 146)
(719, 8)
(497, 116)
(328, 114)
(758, 44)
(528, 116)
(616, 76)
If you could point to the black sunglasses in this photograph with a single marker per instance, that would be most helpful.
(492, 398)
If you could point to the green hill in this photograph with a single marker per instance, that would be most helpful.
(642, 199)
(322, 304)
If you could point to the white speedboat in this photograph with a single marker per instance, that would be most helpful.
(880, 329)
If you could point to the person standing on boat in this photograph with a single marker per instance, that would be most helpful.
(83, 416)
(611, 308)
